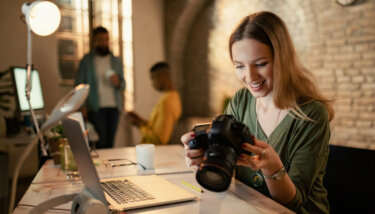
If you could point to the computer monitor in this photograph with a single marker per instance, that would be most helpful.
(36, 95)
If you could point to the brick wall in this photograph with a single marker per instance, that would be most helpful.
(336, 43)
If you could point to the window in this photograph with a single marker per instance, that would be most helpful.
(74, 36)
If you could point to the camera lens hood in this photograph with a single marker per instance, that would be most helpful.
(213, 177)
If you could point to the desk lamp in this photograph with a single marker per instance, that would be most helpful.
(43, 18)
(70, 103)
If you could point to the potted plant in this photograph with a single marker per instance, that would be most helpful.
(56, 139)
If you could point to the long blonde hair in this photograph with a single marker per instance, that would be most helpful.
(293, 84)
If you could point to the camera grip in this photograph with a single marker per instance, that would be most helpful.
(200, 141)
(193, 144)
(247, 139)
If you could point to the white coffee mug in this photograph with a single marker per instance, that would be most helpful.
(145, 155)
(108, 74)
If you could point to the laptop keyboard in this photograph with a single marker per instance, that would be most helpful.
(125, 191)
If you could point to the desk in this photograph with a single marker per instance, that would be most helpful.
(170, 164)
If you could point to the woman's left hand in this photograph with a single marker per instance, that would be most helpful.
(264, 157)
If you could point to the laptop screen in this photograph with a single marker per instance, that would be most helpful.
(82, 156)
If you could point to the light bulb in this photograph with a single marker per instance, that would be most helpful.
(42, 16)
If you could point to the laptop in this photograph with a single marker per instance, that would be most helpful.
(121, 193)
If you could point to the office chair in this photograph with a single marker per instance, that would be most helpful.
(350, 180)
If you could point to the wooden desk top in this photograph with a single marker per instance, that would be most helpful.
(173, 162)
(169, 163)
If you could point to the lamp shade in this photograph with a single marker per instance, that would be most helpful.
(43, 17)
(70, 103)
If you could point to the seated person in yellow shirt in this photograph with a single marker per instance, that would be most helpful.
(158, 129)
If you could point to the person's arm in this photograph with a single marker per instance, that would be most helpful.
(307, 158)
(136, 120)
(118, 79)
(81, 76)
(267, 160)
(193, 157)
(310, 156)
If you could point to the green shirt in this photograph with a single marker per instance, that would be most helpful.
(303, 147)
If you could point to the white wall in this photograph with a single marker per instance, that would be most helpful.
(13, 47)
(148, 37)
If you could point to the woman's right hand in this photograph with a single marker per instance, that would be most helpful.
(193, 157)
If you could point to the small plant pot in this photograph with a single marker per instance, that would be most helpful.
(54, 149)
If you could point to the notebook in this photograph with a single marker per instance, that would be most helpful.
(150, 190)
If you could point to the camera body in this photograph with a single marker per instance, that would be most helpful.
(222, 142)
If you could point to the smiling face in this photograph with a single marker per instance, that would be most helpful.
(253, 62)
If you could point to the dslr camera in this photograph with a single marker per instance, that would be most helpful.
(222, 142)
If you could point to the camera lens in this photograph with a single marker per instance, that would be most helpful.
(216, 170)
(214, 179)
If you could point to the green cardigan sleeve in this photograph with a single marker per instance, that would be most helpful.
(307, 158)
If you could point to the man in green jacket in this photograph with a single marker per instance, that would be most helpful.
(104, 73)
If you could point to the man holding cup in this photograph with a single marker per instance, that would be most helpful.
(104, 73)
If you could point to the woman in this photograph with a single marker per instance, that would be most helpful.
(286, 113)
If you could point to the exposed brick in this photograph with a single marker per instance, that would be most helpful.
(368, 86)
(347, 56)
(351, 114)
(364, 123)
(368, 94)
(358, 79)
(344, 94)
(323, 72)
(364, 63)
(364, 101)
(369, 55)
(329, 94)
(344, 101)
(347, 123)
(339, 73)
(367, 132)
(368, 116)
(343, 79)
(336, 43)
(361, 39)
(363, 108)
(344, 64)
(362, 47)
(368, 71)
(358, 144)
(327, 80)
(348, 48)
(352, 72)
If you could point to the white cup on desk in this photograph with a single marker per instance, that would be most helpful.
(145, 155)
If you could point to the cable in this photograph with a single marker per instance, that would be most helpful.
(28, 89)
(17, 169)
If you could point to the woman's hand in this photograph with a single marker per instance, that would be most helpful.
(264, 158)
(193, 157)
